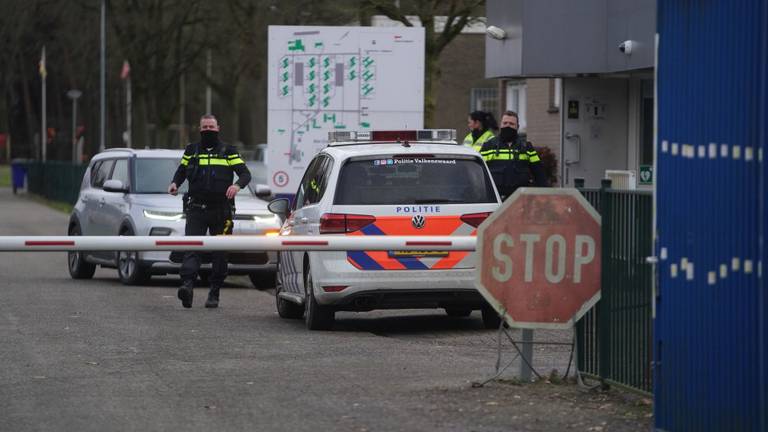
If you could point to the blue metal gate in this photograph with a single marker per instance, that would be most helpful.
(710, 327)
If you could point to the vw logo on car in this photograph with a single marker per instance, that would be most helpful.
(418, 221)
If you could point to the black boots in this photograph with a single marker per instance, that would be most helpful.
(213, 298)
(185, 293)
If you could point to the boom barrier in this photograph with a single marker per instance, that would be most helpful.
(234, 243)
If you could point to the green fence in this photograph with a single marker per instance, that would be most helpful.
(614, 338)
(56, 181)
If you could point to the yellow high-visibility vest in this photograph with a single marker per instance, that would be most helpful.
(506, 153)
(478, 144)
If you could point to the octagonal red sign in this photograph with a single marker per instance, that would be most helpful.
(539, 258)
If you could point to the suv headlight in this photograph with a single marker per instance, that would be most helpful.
(161, 215)
(264, 217)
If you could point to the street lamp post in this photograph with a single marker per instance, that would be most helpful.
(74, 94)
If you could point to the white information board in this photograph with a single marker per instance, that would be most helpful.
(337, 78)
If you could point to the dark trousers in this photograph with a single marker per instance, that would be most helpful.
(218, 221)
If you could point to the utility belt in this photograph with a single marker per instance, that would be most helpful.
(191, 203)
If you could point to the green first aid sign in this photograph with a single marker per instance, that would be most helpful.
(646, 174)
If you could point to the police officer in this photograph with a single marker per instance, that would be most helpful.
(209, 206)
(481, 125)
(511, 159)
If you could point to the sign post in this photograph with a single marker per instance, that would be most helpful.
(540, 260)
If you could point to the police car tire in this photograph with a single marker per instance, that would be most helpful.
(458, 312)
(491, 318)
(317, 317)
(286, 309)
(78, 267)
(140, 273)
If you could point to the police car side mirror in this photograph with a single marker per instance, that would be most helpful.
(115, 186)
(280, 207)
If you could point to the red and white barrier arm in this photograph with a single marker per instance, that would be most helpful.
(236, 243)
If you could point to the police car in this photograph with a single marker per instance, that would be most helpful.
(382, 183)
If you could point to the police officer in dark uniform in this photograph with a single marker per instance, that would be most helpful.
(208, 166)
(511, 160)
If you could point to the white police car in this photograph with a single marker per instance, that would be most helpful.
(385, 183)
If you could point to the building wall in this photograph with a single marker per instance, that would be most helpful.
(543, 120)
(566, 37)
(463, 68)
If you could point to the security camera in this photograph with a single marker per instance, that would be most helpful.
(496, 33)
(626, 47)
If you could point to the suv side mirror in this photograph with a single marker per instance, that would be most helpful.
(262, 191)
(114, 186)
(280, 207)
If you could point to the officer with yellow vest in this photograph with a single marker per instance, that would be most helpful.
(209, 167)
(481, 125)
(511, 160)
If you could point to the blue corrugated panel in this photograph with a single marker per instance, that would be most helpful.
(710, 327)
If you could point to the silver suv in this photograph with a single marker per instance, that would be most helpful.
(123, 192)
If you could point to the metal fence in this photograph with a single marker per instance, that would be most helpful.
(56, 181)
(614, 339)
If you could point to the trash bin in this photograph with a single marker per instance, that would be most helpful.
(18, 174)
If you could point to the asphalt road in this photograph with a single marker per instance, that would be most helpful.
(97, 355)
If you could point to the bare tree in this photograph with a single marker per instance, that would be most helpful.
(162, 39)
(457, 13)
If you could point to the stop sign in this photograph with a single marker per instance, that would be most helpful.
(540, 258)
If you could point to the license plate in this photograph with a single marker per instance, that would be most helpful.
(417, 254)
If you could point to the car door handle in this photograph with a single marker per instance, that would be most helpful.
(303, 220)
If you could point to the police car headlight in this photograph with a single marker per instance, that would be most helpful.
(161, 215)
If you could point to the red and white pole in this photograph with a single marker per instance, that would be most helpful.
(235, 243)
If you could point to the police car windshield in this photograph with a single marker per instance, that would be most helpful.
(152, 176)
(404, 180)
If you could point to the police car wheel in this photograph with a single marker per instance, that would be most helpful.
(129, 269)
(458, 312)
(78, 267)
(287, 309)
(491, 318)
(317, 317)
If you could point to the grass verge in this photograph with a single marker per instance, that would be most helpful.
(5, 176)
(56, 205)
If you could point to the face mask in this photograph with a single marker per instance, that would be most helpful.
(209, 138)
(507, 134)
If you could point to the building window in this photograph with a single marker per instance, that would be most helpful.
(646, 123)
(555, 92)
(484, 99)
(516, 101)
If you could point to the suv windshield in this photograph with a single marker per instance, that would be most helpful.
(416, 180)
(154, 175)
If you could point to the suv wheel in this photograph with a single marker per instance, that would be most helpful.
(316, 316)
(286, 309)
(129, 269)
(78, 267)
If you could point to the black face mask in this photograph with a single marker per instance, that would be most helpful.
(507, 134)
(209, 138)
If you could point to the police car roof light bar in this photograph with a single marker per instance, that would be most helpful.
(443, 136)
